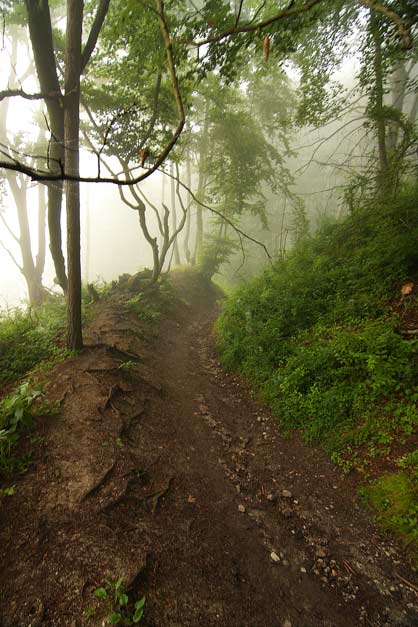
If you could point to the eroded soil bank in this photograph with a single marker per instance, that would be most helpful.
(164, 470)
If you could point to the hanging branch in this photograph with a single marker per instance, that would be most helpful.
(240, 234)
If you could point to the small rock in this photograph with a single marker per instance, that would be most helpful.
(332, 563)
(241, 509)
(274, 557)
(321, 553)
(303, 569)
(286, 494)
(287, 623)
(271, 497)
(320, 562)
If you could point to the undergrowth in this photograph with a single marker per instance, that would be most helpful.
(16, 414)
(319, 334)
(395, 499)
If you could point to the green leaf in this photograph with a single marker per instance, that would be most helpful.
(123, 599)
(140, 603)
(138, 615)
(114, 618)
(100, 593)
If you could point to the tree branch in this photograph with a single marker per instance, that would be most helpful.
(42, 175)
(12, 257)
(220, 215)
(251, 27)
(101, 13)
(403, 30)
(11, 93)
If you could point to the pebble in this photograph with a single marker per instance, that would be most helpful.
(274, 557)
(271, 497)
(286, 494)
(241, 509)
(321, 553)
(287, 623)
(303, 569)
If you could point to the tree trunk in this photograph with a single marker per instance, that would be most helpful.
(186, 246)
(201, 185)
(40, 31)
(174, 218)
(378, 110)
(398, 82)
(31, 272)
(40, 257)
(72, 146)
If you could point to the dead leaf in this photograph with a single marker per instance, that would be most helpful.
(266, 48)
(191, 499)
(407, 288)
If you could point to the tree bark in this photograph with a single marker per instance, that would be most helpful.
(201, 185)
(31, 271)
(186, 246)
(378, 110)
(174, 218)
(40, 31)
(72, 148)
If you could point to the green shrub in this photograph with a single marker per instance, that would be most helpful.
(29, 337)
(316, 332)
(15, 415)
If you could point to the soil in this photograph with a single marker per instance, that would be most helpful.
(165, 470)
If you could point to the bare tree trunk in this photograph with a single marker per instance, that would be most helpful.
(378, 110)
(32, 272)
(72, 146)
(40, 30)
(398, 81)
(40, 257)
(174, 217)
(188, 218)
(201, 185)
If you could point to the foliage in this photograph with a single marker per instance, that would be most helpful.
(27, 338)
(395, 500)
(16, 413)
(216, 250)
(317, 334)
(33, 338)
(118, 608)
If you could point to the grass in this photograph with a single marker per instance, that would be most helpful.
(394, 498)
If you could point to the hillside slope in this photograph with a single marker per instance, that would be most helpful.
(163, 470)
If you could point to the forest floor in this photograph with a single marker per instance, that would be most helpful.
(164, 470)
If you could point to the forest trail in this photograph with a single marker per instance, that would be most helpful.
(163, 469)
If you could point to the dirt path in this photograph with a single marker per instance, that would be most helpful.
(167, 472)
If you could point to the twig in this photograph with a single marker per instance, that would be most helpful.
(407, 583)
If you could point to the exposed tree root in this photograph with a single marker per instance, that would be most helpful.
(103, 479)
(126, 427)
